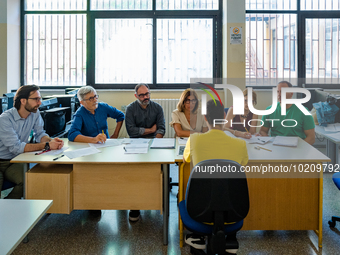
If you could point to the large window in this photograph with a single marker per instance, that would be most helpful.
(287, 41)
(116, 43)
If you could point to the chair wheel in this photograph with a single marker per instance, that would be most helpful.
(331, 224)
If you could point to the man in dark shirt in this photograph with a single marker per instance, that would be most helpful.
(144, 119)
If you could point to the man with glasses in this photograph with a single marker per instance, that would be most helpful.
(16, 125)
(144, 119)
(89, 123)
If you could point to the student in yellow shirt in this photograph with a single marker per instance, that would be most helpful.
(214, 144)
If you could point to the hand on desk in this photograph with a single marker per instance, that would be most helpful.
(56, 144)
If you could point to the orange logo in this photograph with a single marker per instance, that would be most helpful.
(236, 30)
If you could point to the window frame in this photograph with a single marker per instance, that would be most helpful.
(92, 15)
(302, 15)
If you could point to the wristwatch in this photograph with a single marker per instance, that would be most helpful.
(47, 146)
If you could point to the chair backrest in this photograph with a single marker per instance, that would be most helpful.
(217, 185)
(7, 185)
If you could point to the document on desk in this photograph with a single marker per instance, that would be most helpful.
(108, 143)
(182, 140)
(333, 127)
(135, 141)
(180, 150)
(136, 148)
(229, 134)
(258, 139)
(290, 141)
(81, 152)
(163, 143)
(335, 136)
(51, 152)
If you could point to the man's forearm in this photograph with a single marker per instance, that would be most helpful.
(45, 139)
(310, 140)
(34, 146)
(84, 139)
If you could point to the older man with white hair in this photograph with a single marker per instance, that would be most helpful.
(89, 124)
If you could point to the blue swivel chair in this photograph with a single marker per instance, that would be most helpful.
(212, 200)
(226, 110)
(336, 180)
(7, 185)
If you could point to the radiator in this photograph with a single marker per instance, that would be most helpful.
(168, 106)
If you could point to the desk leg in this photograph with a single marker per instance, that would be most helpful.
(165, 169)
(180, 198)
(332, 151)
(320, 207)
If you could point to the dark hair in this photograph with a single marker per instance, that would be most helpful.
(214, 111)
(286, 82)
(140, 85)
(24, 92)
(185, 94)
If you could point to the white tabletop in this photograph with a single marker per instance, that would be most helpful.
(17, 218)
(108, 155)
(304, 152)
(321, 131)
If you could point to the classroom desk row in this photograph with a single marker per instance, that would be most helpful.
(140, 182)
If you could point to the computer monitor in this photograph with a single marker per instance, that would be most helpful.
(54, 120)
(10, 99)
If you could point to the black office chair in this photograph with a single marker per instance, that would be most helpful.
(212, 200)
(336, 180)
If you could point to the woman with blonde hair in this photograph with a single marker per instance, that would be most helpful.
(185, 119)
(249, 119)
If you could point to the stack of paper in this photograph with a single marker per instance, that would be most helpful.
(182, 140)
(81, 152)
(333, 127)
(136, 148)
(108, 143)
(259, 139)
(163, 143)
(290, 141)
(180, 150)
(136, 141)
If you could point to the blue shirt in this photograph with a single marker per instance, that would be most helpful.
(15, 131)
(88, 124)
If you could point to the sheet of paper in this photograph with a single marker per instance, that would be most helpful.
(336, 136)
(136, 148)
(182, 140)
(290, 141)
(333, 127)
(52, 152)
(163, 143)
(135, 141)
(81, 152)
(108, 143)
(259, 139)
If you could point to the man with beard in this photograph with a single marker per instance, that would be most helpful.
(15, 128)
(89, 123)
(144, 119)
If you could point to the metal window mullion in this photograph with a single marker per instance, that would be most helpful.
(82, 49)
(338, 58)
(256, 46)
(276, 68)
(76, 49)
(289, 47)
(331, 48)
(64, 49)
(38, 50)
(270, 43)
(33, 49)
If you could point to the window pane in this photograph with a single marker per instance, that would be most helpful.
(55, 5)
(324, 5)
(184, 49)
(322, 51)
(271, 4)
(121, 4)
(55, 49)
(271, 46)
(187, 4)
(123, 50)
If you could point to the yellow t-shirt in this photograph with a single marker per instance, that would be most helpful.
(215, 144)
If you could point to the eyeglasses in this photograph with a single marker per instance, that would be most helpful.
(144, 95)
(37, 99)
(91, 99)
(188, 101)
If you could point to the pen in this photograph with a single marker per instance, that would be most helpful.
(125, 149)
(38, 153)
(261, 140)
(264, 148)
(103, 132)
(58, 157)
(246, 129)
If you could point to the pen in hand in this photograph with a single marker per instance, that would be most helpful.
(58, 157)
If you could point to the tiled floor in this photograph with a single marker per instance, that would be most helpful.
(112, 233)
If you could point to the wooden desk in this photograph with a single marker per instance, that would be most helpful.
(17, 218)
(332, 144)
(110, 180)
(278, 201)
